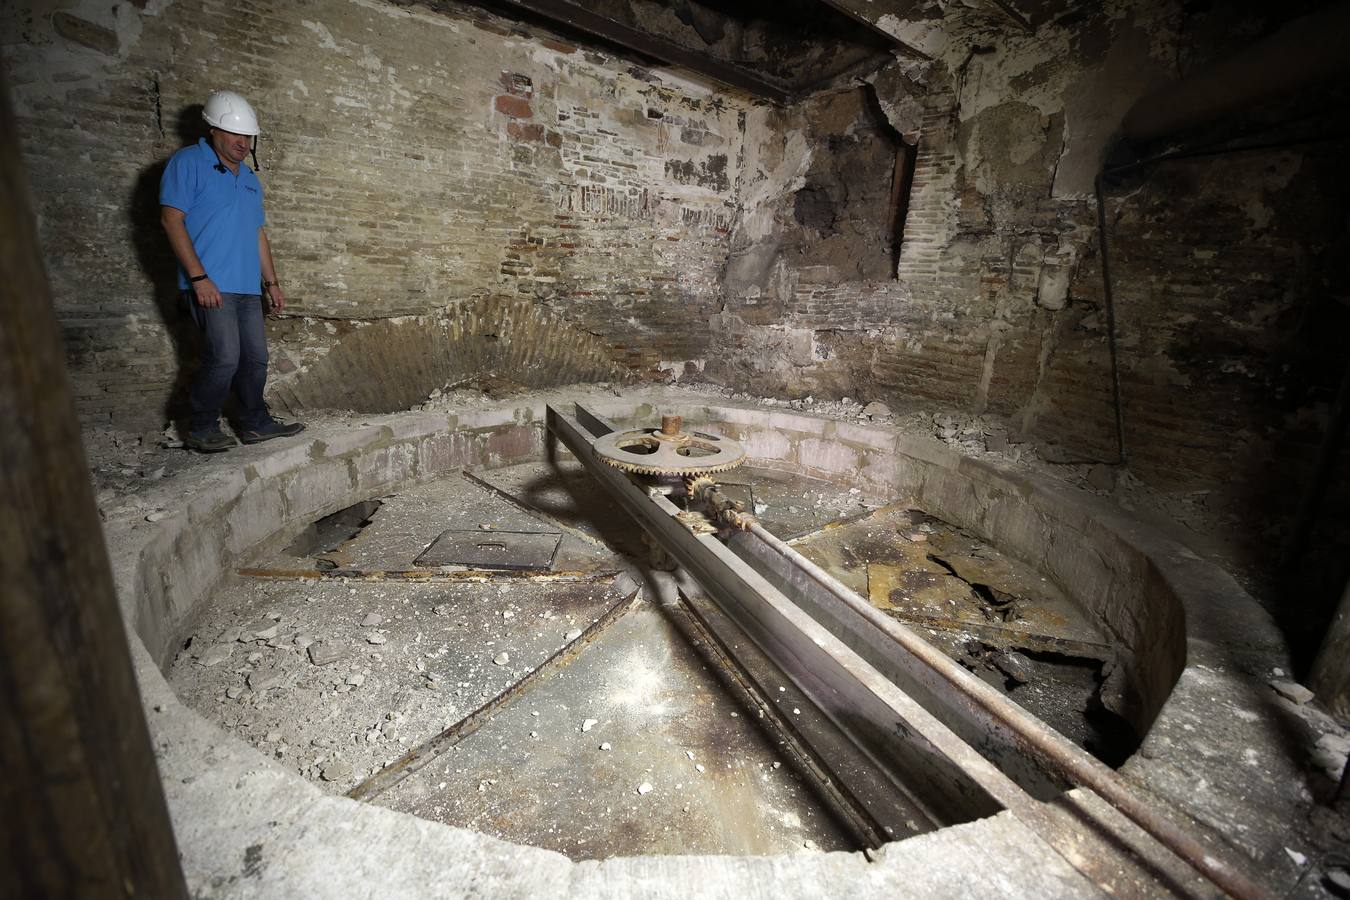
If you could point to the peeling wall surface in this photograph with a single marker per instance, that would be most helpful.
(541, 212)
(926, 210)
(1225, 267)
(413, 160)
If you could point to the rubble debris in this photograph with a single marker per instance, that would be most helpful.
(1339, 879)
(266, 632)
(215, 655)
(337, 770)
(1292, 691)
(645, 788)
(1015, 665)
(267, 677)
(1102, 477)
(876, 410)
(502, 658)
(321, 653)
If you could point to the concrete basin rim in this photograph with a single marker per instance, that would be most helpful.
(128, 542)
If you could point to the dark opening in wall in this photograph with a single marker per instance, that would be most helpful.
(851, 206)
(814, 207)
(902, 182)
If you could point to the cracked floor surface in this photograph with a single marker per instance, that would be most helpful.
(550, 707)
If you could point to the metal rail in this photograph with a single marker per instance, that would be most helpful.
(848, 689)
(1057, 752)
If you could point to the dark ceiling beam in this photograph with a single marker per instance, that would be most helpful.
(574, 16)
(1014, 15)
(853, 11)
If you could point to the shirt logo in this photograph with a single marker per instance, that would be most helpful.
(249, 187)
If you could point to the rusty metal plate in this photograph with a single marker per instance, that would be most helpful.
(738, 491)
(506, 550)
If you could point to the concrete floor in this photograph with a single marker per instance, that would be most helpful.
(632, 748)
(550, 707)
(1246, 763)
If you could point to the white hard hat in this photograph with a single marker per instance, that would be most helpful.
(228, 111)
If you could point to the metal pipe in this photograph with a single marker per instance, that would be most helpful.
(1110, 304)
(1108, 294)
(1066, 758)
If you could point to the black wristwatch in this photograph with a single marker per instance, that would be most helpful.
(201, 277)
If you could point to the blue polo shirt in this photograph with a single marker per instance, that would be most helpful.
(223, 214)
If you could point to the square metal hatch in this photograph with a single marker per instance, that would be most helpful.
(504, 550)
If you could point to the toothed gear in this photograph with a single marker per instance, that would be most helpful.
(650, 451)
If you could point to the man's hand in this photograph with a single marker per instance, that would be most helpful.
(207, 294)
(276, 299)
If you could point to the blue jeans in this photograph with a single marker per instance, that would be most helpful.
(234, 354)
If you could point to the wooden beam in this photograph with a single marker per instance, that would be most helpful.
(576, 16)
(851, 10)
(84, 811)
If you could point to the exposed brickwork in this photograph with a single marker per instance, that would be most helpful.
(424, 164)
(495, 341)
(412, 161)
(1222, 268)
(1231, 337)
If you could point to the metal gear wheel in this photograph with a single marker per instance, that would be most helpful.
(668, 450)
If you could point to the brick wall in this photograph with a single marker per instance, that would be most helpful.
(413, 161)
(1225, 269)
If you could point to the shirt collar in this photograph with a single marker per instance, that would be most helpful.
(209, 155)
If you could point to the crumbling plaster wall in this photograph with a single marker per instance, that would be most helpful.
(414, 161)
(1009, 130)
(1222, 267)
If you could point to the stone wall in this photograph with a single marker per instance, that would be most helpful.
(413, 161)
(1224, 267)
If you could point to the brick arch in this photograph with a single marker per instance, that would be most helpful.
(392, 364)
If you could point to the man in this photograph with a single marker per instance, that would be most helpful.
(211, 206)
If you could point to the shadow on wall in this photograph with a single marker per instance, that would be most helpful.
(1226, 269)
(161, 269)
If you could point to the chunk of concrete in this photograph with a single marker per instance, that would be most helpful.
(1292, 691)
(267, 677)
(215, 655)
(321, 653)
